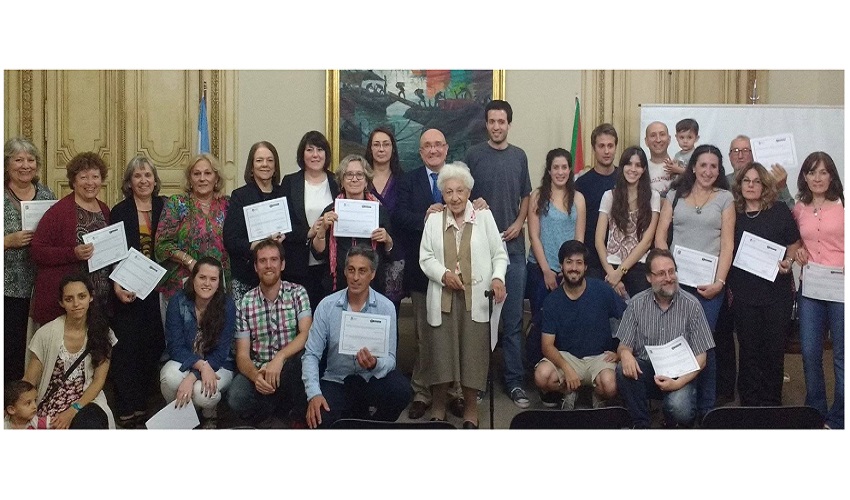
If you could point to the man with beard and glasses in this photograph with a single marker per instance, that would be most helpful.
(578, 347)
(655, 317)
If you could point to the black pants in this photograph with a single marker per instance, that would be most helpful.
(761, 338)
(352, 399)
(15, 316)
(312, 281)
(724, 341)
(91, 416)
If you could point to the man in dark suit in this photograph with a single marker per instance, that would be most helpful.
(418, 190)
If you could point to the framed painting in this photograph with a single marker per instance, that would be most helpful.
(409, 102)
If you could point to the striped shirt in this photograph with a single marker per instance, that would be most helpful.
(646, 323)
(271, 325)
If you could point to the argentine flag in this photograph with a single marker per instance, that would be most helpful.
(203, 127)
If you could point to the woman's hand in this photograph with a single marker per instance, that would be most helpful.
(710, 291)
(499, 292)
(278, 237)
(18, 239)
(84, 252)
(452, 281)
(614, 277)
(123, 295)
(184, 391)
(785, 265)
(802, 256)
(328, 220)
(63, 419)
(550, 277)
(209, 379)
(381, 235)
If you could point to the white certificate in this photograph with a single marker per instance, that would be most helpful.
(110, 246)
(266, 218)
(356, 218)
(759, 256)
(137, 273)
(695, 268)
(775, 149)
(172, 417)
(673, 359)
(494, 322)
(359, 330)
(32, 212)
(823, 282)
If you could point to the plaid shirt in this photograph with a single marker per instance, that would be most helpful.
(271, 325)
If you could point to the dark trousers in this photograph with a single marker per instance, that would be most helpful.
(15, 316)
(727, 358)
(388, 395)
(134, 368)
(761, 337)
(91, 416)
(289, 401)
(312, 281)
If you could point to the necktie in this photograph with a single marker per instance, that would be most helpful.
(435, 192)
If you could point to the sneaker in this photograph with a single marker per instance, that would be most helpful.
(552, 399)
(597, 401)
(480, 397)
(569, 401)
(786, 378)
(519, 398)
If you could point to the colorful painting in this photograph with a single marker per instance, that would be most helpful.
(409, 102)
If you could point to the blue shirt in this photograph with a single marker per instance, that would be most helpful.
(582, 327)
(181, 327)
(556, 227)
(324, 335)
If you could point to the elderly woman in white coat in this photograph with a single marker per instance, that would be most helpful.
(463, 256)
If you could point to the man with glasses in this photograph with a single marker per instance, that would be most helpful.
(272, 322)
(655, 317)
(419, 197)
(741, 155)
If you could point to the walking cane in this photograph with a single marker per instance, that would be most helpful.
(489, 294)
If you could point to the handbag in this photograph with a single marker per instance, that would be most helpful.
(670, 227)
(68, 372)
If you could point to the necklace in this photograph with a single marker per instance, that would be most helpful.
(817, 209)
(701, 205)
(753, 216)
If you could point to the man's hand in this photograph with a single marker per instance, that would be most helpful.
(271, 372)
(631, 369)
(480, 204)
(571, 379)
(780, 175)
(366, 360)
(434, 208)
(673, 167)
(667, 384)
(512, 231)
(314, 411)
(260, 383)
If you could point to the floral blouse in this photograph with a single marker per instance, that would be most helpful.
(18, 269)
(183, 226)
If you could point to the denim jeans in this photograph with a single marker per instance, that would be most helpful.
(512, 322)
(706, 382)
(536, 291)
(352, 399)
(815, 317)
(679, 407)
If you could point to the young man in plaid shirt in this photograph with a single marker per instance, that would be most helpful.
(272, 322)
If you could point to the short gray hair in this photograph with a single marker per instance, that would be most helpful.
(363, 251)
(738, 137)
(14, 146)
(343, 166)
(137, 162)
(455, 170)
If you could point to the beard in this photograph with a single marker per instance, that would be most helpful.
(660, 290)
(573, 282)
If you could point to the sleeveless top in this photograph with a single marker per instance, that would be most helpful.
(556, 227)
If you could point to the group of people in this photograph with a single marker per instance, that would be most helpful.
(261, 321)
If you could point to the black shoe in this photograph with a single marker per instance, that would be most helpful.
(456, 407)
(468, 424)
(552, 399)
(417, 410)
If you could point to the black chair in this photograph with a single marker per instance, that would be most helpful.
(356, 423)
(612, 417)
(763, 417)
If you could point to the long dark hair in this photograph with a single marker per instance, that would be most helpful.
(685, 182)
(835, 191)
(620, 202)
(395, 163)
(96, 325)
(546, 182)
(212, 322)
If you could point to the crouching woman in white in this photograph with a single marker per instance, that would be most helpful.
(463, 256)
(70, 361)
(199, 326)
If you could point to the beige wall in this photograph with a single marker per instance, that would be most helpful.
(805, 87)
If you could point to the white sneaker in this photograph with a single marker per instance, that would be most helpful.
(519, 398)
(569, 401)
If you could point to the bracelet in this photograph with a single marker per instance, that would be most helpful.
(77, 406)
(721, 281)
(624, 269)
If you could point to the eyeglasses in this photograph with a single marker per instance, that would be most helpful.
(382, 145)
(752, 182)
(428, 146)
(740, 151)
(354, 176)
(665, 274)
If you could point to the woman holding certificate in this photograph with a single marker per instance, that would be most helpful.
(191, 225)
(308, 192)
(762, 306)
(820, 215)
(70, 360)
(262, 183)
(199, 328)
(21, 163)
(354, 174)
(140, 336)
(703, 220)
(57, 246)
(382, 154)
(463, 256)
